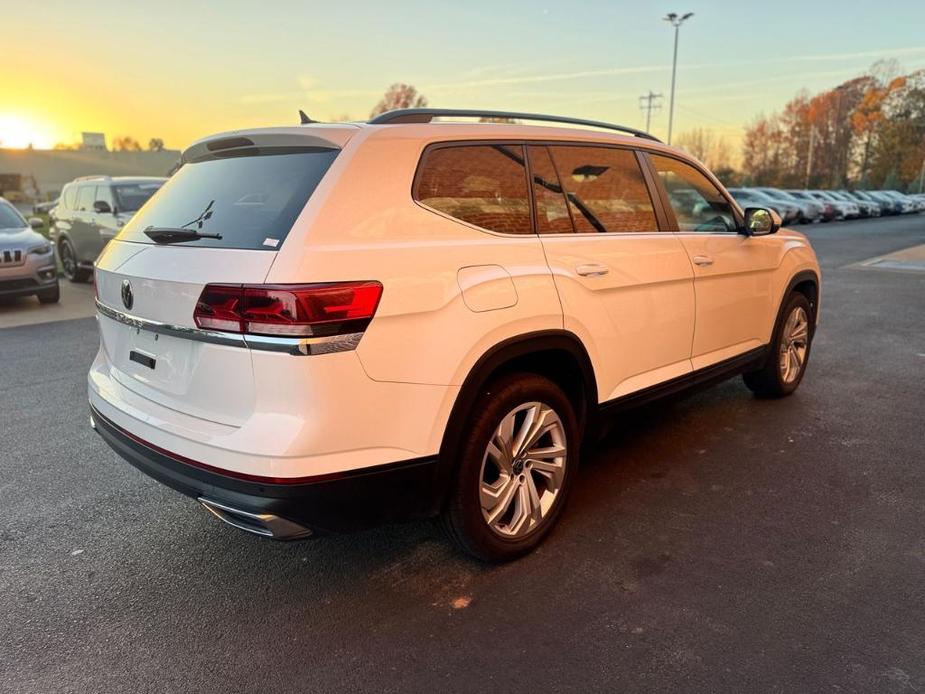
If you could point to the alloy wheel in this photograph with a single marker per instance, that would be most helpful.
(793, 345)
(523, 469)
(68, 261)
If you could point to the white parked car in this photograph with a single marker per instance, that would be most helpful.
(322, 327)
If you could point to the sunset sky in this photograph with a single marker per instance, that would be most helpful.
(180, 70)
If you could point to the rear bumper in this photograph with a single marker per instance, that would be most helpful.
(337, 502)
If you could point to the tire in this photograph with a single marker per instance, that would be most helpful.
(69, 262)
(513, 532)
(779, 378)
(50, 296)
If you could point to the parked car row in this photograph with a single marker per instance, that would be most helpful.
(807, 206)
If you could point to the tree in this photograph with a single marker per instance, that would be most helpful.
(156, 144)
(705, 145)
(125, 143)
(866, 131)
(399, 95)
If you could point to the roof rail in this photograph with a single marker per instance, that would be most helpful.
(426, 115)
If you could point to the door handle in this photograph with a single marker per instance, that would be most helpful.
(703, 260)
(592, 270)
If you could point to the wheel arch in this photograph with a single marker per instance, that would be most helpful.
(805, 282)
(556, 354)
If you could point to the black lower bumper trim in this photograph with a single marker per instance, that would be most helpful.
(354, 500)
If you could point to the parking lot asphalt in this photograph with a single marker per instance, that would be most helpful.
(714, 543)
(76, 302)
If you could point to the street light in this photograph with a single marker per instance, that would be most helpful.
(675, 21)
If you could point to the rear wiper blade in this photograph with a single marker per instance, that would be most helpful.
(177, 234)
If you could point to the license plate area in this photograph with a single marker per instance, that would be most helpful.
(142, 358)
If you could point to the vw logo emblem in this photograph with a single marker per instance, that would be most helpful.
(127, 298)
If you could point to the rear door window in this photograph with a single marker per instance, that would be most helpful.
(85, 197)
(552, 214)
(252, 200)
(605, 189)
(483, 185)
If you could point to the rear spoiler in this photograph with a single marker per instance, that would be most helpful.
(255, 144)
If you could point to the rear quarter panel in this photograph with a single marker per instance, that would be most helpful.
(362, 223)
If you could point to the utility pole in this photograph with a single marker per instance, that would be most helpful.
(809, 160)
(649, 103)
(676, 22)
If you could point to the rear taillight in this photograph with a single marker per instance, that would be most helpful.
(288, 310)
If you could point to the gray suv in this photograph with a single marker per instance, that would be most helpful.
(91, 211)
(27, 260)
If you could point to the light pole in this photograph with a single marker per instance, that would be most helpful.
(675, 21)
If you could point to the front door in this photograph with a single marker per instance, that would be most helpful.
(733, 273)
(626, 288)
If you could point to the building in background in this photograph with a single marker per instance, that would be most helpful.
(95, 142)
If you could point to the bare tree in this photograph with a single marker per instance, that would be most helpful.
(399, 95)
(705, 145)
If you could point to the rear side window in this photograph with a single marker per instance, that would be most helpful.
(69, 198)
(605, 189)
(484, 185)
(85, 197)
(697, 203)
(252, 201)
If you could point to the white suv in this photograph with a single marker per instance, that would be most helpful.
(322, 327)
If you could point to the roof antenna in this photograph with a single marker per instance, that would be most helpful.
(304, 119)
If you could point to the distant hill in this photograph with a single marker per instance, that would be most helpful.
(51, 169)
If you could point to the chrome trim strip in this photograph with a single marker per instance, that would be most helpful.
(299, 346)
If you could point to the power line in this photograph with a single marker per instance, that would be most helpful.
(648, 103)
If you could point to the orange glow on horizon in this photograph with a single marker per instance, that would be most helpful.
(18, 132)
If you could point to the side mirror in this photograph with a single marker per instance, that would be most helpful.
(102, 207)
(36, 223)
(760, 221)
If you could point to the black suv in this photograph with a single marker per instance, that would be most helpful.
(90, 211)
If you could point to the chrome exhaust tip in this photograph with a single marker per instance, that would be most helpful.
(263, 524)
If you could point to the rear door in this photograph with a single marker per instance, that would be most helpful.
(733, 273)
(149, 291)
(626, 287)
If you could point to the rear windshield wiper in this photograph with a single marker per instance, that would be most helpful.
(177, 234)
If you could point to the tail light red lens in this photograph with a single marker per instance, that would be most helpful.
(288, 310)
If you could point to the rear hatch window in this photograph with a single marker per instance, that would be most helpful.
(250, 198)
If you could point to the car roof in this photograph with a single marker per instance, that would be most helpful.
(338, 134)
(117, 179)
